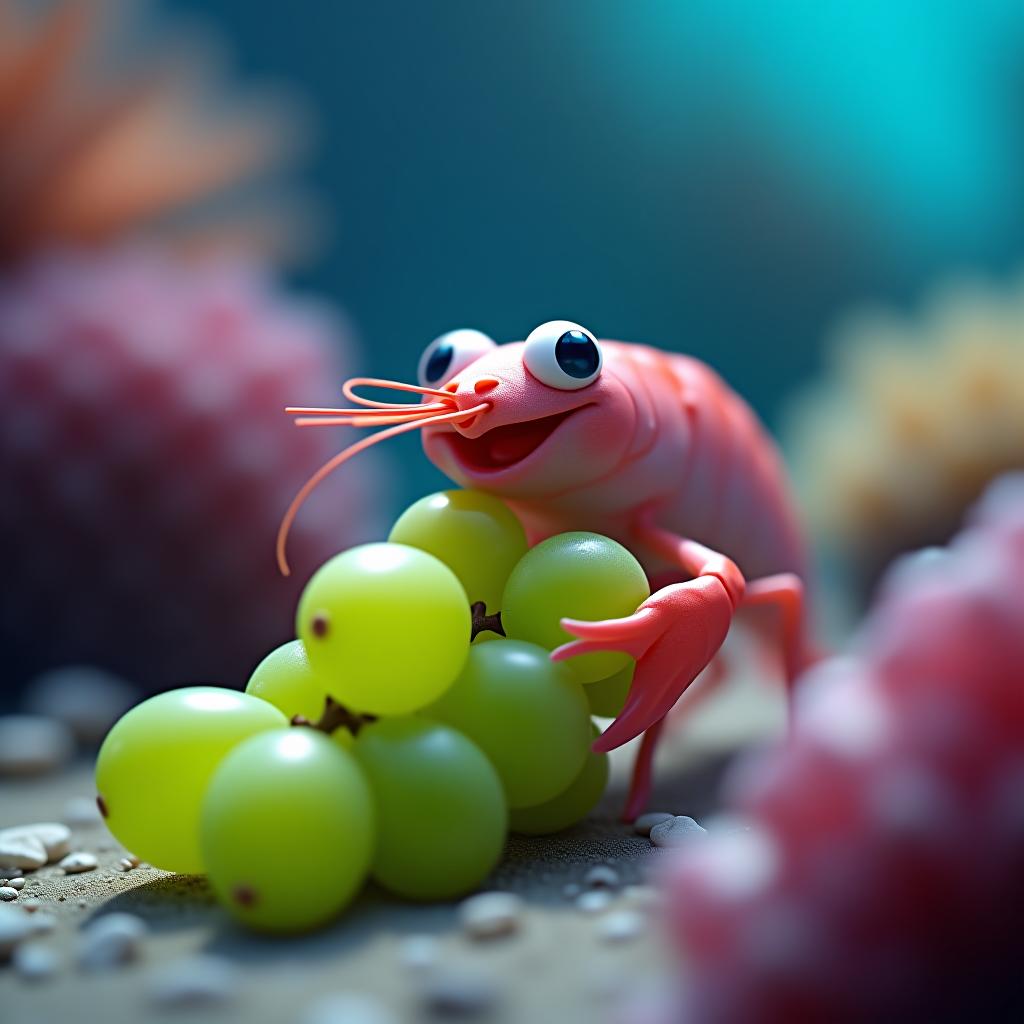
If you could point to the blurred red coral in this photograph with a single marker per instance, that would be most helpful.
(880, 875)
(146, 461)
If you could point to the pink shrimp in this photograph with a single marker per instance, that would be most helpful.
(648, 447)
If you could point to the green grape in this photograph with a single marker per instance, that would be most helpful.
(474, 534)
(156, 762)
(284, 678)
(343, 738)
(573, 576)
(287, 804)
(607, 697)
(386, 627)
(441, 814)
(571, 805)
(527, 714)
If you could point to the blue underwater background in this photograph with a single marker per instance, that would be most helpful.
(723, 178)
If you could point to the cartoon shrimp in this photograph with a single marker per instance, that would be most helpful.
(651, 448)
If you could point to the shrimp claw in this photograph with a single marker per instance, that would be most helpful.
(673, 635)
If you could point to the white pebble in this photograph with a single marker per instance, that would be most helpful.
(21, 851)
(620, 926)
(20, 846)
(643, 825)
(16, 883)
(81, 812)
(74, 863)
(110, 941)
(88, 701)
(349, 1008)
(459, 993)
(594, 902)
(7, 893)
(15, 927)
(491, 914)
(601, 877)
(202, 980)
(418, 952)
(33, 744)
(677, 831)
(35, 961)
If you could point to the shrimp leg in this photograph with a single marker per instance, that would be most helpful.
(673, 636)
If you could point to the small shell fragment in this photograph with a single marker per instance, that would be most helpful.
(7, 893)
(677, 831)
(491, 914)
(594, 902)
(74, 863)
(601, 877)
(643, 825)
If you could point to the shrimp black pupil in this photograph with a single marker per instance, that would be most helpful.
(439, 361)
(577, 354)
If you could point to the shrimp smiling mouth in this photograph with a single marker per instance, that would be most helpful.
(505, 446)
(494, 450)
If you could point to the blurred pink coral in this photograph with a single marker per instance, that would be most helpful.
(146, 462)
(880, 875)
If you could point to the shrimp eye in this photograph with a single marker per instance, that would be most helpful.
(562, 355)
(446, 356)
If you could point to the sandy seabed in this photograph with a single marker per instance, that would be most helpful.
(557, 967)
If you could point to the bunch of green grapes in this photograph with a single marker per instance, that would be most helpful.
(382, 742)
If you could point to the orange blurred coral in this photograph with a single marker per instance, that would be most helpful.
(96, 145)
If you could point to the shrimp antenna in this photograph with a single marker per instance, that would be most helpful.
(403, 417)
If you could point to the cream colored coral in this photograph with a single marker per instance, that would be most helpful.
(914, 416)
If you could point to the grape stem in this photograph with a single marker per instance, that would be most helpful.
(483, 622)
(336, 716)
